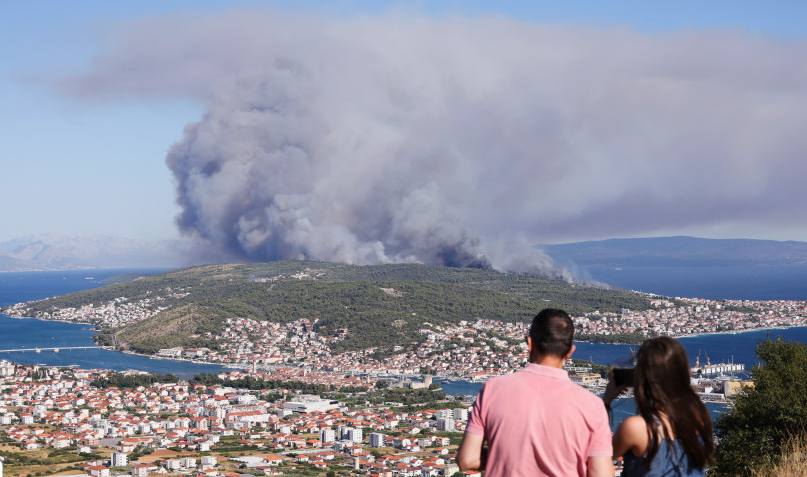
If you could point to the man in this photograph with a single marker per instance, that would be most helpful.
(536, 421)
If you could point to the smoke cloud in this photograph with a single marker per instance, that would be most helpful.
(462, 142)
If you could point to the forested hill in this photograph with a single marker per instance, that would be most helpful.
(380, 305)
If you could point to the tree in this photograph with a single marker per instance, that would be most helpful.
(767, 415)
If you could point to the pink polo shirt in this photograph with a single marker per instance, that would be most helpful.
(538, 422)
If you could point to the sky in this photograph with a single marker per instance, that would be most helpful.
(371, 131)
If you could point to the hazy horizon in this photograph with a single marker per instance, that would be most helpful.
(457, 133)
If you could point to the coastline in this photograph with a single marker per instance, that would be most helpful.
(718, 333)
(95, 328)
(697, 335)
(154, 356)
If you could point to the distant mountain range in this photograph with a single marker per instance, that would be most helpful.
(678, 251)
(62, 252)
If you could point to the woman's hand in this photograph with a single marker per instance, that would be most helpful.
(612, 391)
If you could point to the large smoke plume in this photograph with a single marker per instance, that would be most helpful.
(283, 167)
(463, 142)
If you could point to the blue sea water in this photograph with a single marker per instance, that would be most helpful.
(28, 333)
(758, 282)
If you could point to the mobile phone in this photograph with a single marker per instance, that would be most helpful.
(623, 376)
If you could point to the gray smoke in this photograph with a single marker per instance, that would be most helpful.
(464, 142)
(283, 168)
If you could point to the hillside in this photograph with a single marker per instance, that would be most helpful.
(380, 305)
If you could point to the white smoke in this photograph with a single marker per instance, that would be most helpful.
(278, 169)
(461, 141)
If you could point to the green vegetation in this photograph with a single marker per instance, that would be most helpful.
(791, 463)
(249, 382)
(133, 381)
(128, 277)
(379, 305)
(600, 369)
(55, 456)
(407, 400)
(617, 338)
(766, 416)
(104, 338)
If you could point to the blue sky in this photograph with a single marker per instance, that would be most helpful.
(80, 163)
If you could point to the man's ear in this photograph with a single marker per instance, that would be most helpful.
(570, 353)
(530, 345)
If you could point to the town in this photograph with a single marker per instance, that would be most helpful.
(196, 428)
(472, 350)
(185, 428)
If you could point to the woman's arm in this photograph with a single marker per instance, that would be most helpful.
(631, 435)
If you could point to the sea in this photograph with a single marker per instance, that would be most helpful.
(730, 282)
(30, 333)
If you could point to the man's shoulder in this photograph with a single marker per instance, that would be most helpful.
(579, 390)
(502, 379)
(584, 397)
(506, 381)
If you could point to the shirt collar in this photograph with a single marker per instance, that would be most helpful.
(547, 371)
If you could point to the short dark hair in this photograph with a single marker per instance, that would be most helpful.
(552, 332)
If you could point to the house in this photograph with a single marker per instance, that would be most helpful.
(273, 460)
(98, 471)
(143, 470)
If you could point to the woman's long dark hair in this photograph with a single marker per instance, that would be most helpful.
(661, 385)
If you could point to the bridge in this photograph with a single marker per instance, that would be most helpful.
(55, 350)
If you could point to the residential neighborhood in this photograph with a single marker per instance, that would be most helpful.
(182, 428)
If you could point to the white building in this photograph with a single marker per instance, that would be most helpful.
(377, 439)
(327, 435)
(445, 425)
(246, 399)
(118, 459)
(307, 403)
(6, 368)
(351, 434)
(170, 352)
(460, 414)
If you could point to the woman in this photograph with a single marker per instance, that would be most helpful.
(672, 435)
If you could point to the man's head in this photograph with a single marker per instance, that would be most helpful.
(551, 334)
